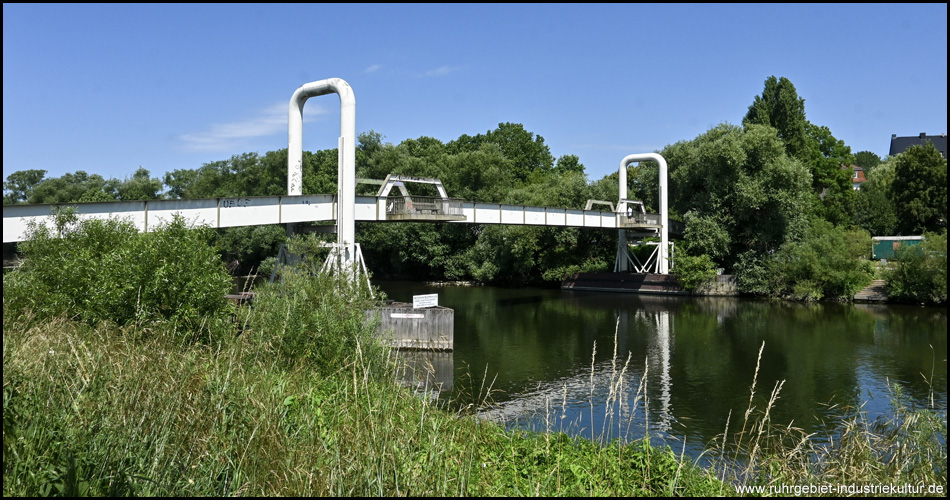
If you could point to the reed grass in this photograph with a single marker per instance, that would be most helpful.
(99, 410)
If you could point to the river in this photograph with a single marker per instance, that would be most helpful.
(608, 365)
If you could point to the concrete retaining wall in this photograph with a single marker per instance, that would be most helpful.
(430, 328)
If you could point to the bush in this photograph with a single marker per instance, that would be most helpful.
(920, 271)
(105, 270)
(828, 263)
(692, 271)
(312, 316)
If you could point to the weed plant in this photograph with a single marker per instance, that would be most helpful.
(305, 402)
(908, 448)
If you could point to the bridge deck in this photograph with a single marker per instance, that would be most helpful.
(262, 210)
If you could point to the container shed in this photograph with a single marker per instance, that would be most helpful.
(885, 247)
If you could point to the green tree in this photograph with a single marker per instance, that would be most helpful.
(179, 182)
(740, 191)
(20, 184)
(74, 187)
(867, 160)
(780, 107)
(526, 152)
(832, 183)
(484, 174)
(828, 262)
(692, 271)
(873, 209)
(140, 187)
(919, 190)
(568, 163)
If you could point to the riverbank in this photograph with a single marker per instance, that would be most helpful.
(648, 283)
(96, 411)
(100, 411)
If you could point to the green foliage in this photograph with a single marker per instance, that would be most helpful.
(71, 188)
(706, 235)
(245, 248)
(421, 251)
(312, 317)
(20, 184)
(867, 160)
(919, 274)
(140, 187)
(828, 263)
(780, 107)
(752, 273)
(742, 190)
(104, 270)
(919, 190)
(527, 153)
(830, 182)
(692, 271)
(873, 209)
(31, 186)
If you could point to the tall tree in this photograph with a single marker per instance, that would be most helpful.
(140, 187)
(739, 192)
(74, 187)
(832, 183)
(780, 107)
(866, 160)
(20, 184)
(526, 152)
(919, 190)
(874, 209)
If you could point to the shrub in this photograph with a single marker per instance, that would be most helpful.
(692, 271)
(920, 271)
(105, 270)
(311, 315)
(828, 262)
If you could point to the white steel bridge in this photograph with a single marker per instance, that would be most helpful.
(345, 208)
(285, 209)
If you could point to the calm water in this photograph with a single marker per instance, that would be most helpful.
(549, 358)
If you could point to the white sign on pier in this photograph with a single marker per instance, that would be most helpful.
(422, 301)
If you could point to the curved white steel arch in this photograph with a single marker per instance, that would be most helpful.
(346, 165)
(664, 256)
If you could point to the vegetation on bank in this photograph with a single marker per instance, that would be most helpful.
(919, 272)
(293, 396)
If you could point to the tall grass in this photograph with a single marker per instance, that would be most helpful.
(908, 448)
(95, 410)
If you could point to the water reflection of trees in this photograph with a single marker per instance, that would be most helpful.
(703, 367)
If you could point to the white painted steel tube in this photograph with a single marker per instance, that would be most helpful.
(664, 202)
(346, 170)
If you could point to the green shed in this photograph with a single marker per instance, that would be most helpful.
(884, 247)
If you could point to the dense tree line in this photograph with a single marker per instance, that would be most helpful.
(767, 200)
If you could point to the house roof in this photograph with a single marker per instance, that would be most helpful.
(900, 144)
(859, 178)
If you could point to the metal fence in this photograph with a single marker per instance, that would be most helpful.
(423, 205)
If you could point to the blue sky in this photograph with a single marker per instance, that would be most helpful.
(109, 88)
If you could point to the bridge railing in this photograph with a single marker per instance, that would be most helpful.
(423, 207)
(637, 219)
